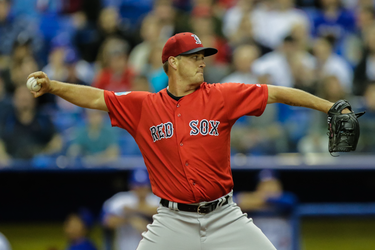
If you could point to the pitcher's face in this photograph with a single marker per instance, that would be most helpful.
(190, 68)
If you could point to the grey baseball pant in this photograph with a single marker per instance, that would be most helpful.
(224, 228)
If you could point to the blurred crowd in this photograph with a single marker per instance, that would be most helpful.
(325, 47)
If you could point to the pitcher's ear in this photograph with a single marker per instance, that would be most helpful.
(172, 62)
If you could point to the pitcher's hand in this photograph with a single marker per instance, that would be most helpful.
(43, 81)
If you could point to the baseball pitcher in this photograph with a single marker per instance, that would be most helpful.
(183, 132)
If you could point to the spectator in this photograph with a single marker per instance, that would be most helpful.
(331, 89)
(243, 34)
(111, 25)
(4, 244)
(17, 27)
(301, 35)
(274, 20)
(365, 17)
(329, 63)
(212, 10)
(26, 132)
(76, 228)
(64, 63)
(56, 66)
(203, 21)
(302, 76)
(21, 50)
(238, 22)
(354, 43)
(89, 37)
(150, 33)
(269, 21)
(172, 20)
(365, 70)
(314, 142)
(129, 212)
(204, 25)
(18, 72)
(95, 142)
(115, 75)
(270, 207)
(331, 19)
(156, 76)
(243, 58)
(275, 67)
(79, 71)
(265, 136)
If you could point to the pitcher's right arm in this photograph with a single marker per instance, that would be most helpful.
(80, 95)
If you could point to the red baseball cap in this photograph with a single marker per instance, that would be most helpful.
(184, 44)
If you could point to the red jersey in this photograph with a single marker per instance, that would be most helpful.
(186, 143)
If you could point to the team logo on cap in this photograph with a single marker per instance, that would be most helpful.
(197, 41)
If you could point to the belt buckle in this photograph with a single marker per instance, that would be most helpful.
(199, 207)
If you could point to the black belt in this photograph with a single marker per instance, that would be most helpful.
(199, 208)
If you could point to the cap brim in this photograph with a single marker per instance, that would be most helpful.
(207, 51)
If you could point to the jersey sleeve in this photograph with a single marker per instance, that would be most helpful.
(244, 99)
(125, 108)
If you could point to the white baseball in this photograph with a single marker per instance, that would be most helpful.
(33, 85)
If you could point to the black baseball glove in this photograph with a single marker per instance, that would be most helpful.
(343, 129)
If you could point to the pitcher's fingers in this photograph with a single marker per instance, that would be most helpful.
(38, 74)
(41, 81)
(37, 94)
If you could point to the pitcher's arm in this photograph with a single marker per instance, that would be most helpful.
(80, 95)
(296, 97)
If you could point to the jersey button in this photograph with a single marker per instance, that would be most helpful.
(181, 144)
(179, 115)
(178, 105)
(186, 164)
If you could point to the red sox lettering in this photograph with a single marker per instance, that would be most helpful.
(203, 127)
(162, 131)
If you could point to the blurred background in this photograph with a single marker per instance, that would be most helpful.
(70, 181)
